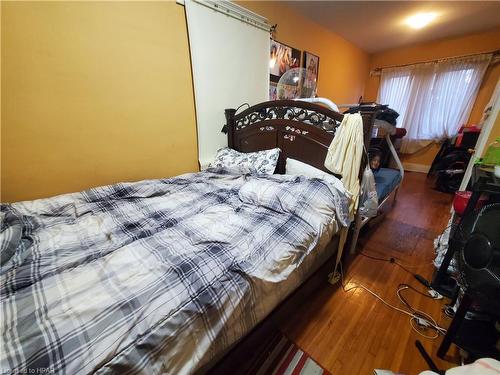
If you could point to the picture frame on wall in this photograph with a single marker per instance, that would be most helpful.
(311, 63)
(281, 59)
(273, 91)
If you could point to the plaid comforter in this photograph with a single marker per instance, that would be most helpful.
(157, 276)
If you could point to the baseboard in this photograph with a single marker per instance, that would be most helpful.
(413, 167)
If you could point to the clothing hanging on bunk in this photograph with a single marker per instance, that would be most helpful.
(368, 203)
(383, 111)
(344, 155)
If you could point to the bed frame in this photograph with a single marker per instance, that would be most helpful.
(303, 131)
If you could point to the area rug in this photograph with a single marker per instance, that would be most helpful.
(283, 357)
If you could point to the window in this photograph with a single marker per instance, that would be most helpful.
(433, 99)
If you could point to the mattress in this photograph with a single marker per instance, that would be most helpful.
(158, 276)
(386, 180)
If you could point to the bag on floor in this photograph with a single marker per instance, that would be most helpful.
(369, 198)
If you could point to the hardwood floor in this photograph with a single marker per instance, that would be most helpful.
(353, 333)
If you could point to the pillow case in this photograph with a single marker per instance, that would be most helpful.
(295, 167)
(261, 162)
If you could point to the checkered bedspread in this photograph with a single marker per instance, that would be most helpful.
(151, 277)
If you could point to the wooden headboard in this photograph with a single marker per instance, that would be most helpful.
(302, 130)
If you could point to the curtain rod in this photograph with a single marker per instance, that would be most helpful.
(234, 10)
(495, 53)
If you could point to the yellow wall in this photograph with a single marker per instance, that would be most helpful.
(474, 43)
(93, 93)
(343, 67)
(99, 92)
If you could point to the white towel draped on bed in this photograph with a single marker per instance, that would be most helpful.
(344, 155)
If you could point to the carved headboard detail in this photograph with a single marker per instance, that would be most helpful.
(302, 130)
(325, 121)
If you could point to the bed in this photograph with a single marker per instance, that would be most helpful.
(387, 180)
(166, 276)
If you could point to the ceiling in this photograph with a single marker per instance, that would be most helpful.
(375, 26)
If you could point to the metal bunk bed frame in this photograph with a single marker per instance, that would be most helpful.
(359, 220)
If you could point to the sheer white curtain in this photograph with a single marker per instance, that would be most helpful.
(433, 99)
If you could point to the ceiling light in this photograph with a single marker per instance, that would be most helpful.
(420, 20)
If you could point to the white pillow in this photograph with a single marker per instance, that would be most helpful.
(262, 162)
(295, 167)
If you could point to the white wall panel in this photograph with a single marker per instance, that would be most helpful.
(230, 63)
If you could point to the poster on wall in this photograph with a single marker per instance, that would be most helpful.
(273, 91)
(281, 59)
(311, 64)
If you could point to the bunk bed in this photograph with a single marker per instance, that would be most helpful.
(387, 180)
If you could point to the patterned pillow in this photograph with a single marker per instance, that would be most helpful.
(261, 162)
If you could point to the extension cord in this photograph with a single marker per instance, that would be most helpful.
(422, 280)
(422, 323)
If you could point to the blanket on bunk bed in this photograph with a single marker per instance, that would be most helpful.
(157, 276)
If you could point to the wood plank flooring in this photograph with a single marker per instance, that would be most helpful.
(353, 333)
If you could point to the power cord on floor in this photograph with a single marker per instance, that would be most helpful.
(419, 320)
(396, 261)
(422, 280)
(405, 267)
